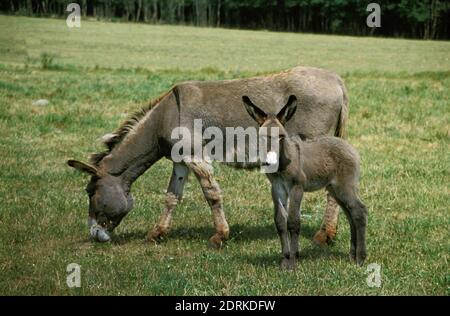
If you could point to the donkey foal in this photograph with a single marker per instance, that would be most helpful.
(306, 166)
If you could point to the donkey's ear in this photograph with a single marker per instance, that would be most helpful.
(83, 167)
(288, 111)
(255, 112)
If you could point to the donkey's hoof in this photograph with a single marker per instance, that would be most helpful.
(323, 238)
(217, 241)
(357, 259)
(156, 235)
(288, 264)
(360, 259)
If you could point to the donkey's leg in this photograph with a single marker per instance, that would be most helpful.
(328, 229)
(356, 213)
(174, 194)
(280, 202)
(211, 190)
(352, 231)
(116, 222)
(293, 223)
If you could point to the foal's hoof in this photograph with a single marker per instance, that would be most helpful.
(358, 259)
(324, 238)
(288, 264)
(217, 241)
(156, 235)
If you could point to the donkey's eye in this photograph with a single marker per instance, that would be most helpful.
(90, 190)
(90, 195)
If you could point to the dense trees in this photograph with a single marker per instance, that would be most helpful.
(429, 19)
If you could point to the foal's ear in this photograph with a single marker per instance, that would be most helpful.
(255, 112)
(83, 167)
(288, 111)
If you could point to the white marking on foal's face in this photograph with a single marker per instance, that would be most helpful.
(272, 158)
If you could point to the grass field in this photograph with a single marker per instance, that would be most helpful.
(94, 76)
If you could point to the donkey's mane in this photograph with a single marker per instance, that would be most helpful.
(115, 138)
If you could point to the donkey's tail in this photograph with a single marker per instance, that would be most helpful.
(341, 128)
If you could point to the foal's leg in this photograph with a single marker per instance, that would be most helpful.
(293, 223)
(356, 213)
(280, 201)
(211, 190)
(174, 195)
(328, 229)
(359, 214)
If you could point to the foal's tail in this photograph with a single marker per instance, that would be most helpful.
(341, 128)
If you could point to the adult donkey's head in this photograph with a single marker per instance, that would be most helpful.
(131, 150)
(109, 200)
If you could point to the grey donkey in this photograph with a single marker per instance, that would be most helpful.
(146, 138)
(306, 166)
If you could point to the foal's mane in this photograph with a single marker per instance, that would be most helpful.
(115, 138)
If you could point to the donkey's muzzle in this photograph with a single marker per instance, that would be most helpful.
(97, 232)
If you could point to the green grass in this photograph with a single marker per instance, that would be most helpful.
(94, 76)
(167, 47)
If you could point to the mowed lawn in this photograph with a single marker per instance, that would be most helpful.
(94, 76)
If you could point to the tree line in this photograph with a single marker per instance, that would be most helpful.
(427, 19)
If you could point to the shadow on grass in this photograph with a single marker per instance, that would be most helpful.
(308, 254)
(238, 233)
(264, 232)
(128, 237)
